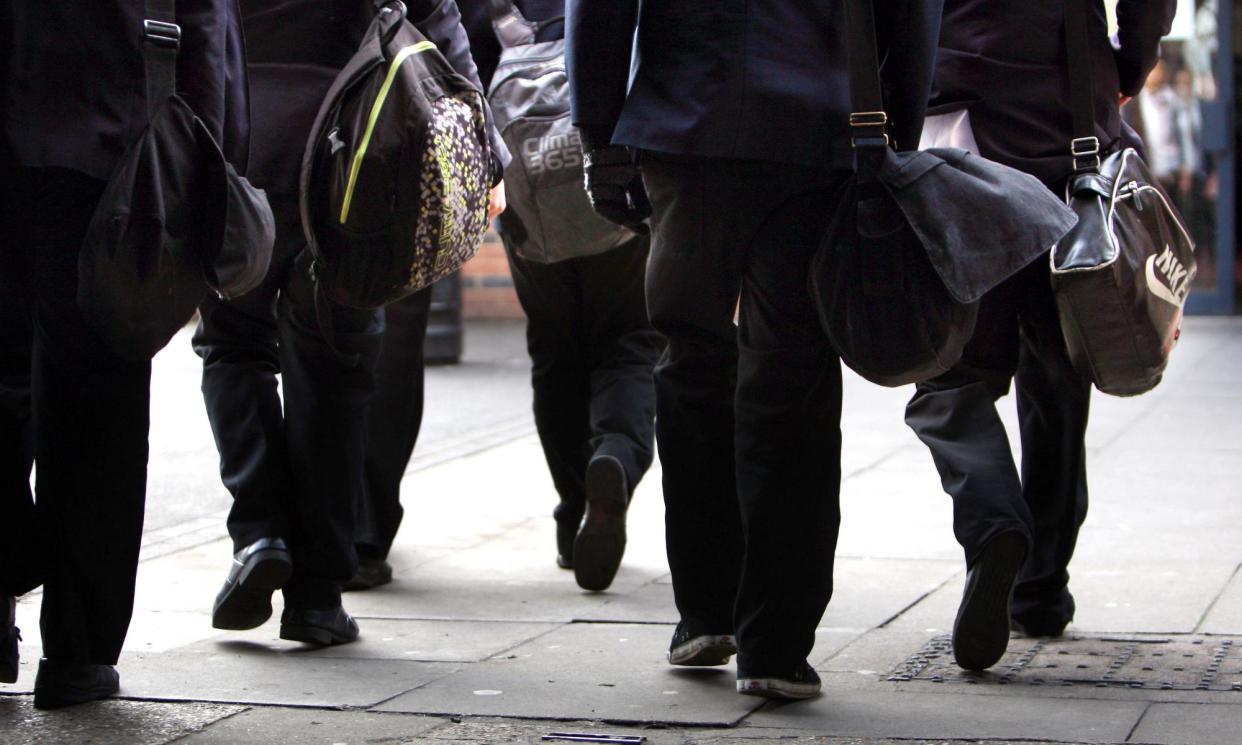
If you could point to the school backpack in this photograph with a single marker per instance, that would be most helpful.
(396, 172)
(548, 218)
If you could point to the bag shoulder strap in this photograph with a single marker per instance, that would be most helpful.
(868, 119)
(1085, 146)
(512, 28)
(161, 38)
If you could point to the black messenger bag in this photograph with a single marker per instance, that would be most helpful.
(1122, 275)
(396, 172)
(175, 220)
(918, 237)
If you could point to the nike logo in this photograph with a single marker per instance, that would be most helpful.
(1173, 281)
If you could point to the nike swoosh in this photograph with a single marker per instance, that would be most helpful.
(1158, 288)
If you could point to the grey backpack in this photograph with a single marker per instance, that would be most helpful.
(548, 218)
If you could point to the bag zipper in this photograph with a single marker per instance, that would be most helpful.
(398, 59)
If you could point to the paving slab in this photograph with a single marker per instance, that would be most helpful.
(527, 554)
(897, 510)
(248, 673)
(1225, 617)
(876, 653)
(651, 603)
(186, 581)
(1190, 724)
(868, 592)
(313, 727)
(1208, 431)
(491, 731)
(105, 722)
(417, 641)
(790, 737)
(436, 595)
(877, 713)
(612, 672)
(1153, 596)
(934, 613)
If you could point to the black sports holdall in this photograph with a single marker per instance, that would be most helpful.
(1121, 276)
(396, 172)
(549, 216)
(175, 220)
(918, 237)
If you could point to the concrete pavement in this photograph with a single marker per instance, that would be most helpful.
(482, 639)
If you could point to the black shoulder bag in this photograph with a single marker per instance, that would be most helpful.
(918, 237)
(1121, 276)
(175, 220)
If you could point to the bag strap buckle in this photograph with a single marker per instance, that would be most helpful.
(1086, 153)
(867, 129)
(162, 34)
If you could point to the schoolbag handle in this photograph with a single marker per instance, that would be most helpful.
(392, 12)
(512, 28)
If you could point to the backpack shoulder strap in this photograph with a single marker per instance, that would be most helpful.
(161, 38)
(512, 28)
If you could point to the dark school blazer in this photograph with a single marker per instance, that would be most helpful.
(72, 87)
(761, 79)
(1004, 60)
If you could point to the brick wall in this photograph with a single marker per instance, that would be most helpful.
(487, 288)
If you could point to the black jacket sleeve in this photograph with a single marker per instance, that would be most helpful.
(907, 33)
(599, 41)
(440, 22)
(1140, 26)
(211, 73)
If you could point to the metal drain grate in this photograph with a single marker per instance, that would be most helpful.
(1171, 664)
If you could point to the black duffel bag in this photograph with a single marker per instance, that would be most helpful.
(174, 222)
(917, 238)
(1122, 275)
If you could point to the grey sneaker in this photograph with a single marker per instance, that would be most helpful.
(689, 649)
(802, 684)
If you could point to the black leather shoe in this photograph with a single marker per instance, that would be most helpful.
(321, 627)
(566, 533)
(371, 573)
(600, 542)
(258, 570)
(981, 631)
(57, 685)
(10, 635)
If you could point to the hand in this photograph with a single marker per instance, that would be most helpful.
(496, 201)
(614, 185)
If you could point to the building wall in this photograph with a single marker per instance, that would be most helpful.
(487, 288)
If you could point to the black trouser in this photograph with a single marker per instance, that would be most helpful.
(748, 420)
(592, 352)
(80, 413)
(395, 418)
(296, 471)
(1018, 337)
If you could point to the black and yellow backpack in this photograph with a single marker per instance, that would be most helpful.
(396, 172)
